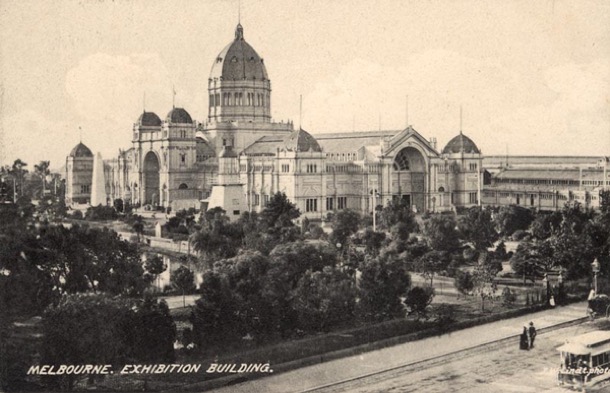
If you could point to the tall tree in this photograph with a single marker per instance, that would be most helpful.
(483, 282)
(18, 171)
(478, 228)
(42, 171)
(383, 283)
(441, 233)
(183, 279)
(279, 212)
(511, 218)
(398, 212)
(345, 223)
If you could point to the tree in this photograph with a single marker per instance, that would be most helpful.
(84, 329)
(324, 298)
(533, 259)
(477, 227)
(214, 316)
(345, 223)
(441, 233)
(511, 218)
(545, 224)
(279, 213)
(138, 226)
(288, 264)
(218, 238)
(372, 241)
(18, 172)
(483, 282)
(152, 332)
(183, 279)
(42, 170)
(99, 329)
(398, 211)
(245, 277)
(154, 265)
(418, 299)
(383, 282)
(431, 263)
(463, 282)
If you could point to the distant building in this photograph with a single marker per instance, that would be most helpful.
(547, 183)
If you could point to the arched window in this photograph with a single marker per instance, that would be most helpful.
(401, 162)
(183, 186)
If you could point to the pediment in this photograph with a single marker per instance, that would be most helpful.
(410, 137)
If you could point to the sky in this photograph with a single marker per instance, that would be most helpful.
(531, 77)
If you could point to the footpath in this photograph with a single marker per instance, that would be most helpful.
(318, 375)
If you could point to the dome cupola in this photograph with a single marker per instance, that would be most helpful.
(461, 144)
(239, 87)
(179, 116)
(149, 119)
(80, 151)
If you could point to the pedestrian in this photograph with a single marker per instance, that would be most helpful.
(523, 339)
(531, 335)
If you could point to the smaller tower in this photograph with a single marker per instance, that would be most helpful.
(228, 193)
(79, 170)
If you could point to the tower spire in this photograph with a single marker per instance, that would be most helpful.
(460, 119)
(301, 112)
(144, 102)
(173, 96)
(407, 110)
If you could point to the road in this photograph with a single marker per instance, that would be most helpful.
(501, 370)
(461, 365)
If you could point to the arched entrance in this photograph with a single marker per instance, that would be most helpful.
(409, 177)
(151, 179)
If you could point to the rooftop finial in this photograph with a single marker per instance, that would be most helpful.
(460, 119)
(239, 32)
(173, 96)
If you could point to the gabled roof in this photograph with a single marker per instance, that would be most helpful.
(350, 142)
(397, 141)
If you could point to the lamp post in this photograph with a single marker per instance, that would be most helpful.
(595, 268)
(374, 194)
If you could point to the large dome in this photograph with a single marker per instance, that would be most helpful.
(81, 150)
(179, 116)
(461, 143)
(239, 61)
(149, 119)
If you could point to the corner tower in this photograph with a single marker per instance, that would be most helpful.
(239, 87)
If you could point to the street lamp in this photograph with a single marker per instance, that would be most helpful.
(595, 267)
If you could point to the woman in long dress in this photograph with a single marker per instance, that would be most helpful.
(523, 339)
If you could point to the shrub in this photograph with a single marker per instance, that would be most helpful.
(418, 299)
(508, 297)
(463, 282)
(101, 213)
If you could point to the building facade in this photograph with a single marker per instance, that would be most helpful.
(238, 157)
